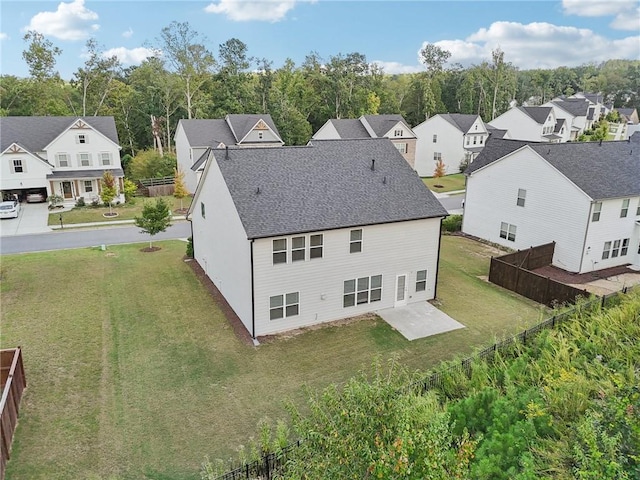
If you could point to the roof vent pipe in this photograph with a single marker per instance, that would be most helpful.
(226, 152)
(384, 181)
(373, 164)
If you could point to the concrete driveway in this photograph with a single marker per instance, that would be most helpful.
(33, 218)
(419, 320)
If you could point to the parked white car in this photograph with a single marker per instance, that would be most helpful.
(9, 209)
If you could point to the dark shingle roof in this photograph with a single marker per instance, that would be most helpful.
(381, 124)
(496, 132)
(575, 106)
(601, 170)
(241, 124)
(207, 132)
(350, 128)
(539, 114)
(230, 130)
(35, 133)
(325, 185)
(461, 121)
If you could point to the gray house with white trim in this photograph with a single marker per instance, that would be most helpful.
(585, 196)
(195, 136)
(329, 230)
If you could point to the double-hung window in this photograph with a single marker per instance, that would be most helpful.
(88, 186)
(280, 251)
(362, 290)
(597, 208)
(63, 160)
(284, 306)
(522, 196)
(625, 208)
(355, 241)
(105, 158)
(298, 251)
(316, 245)
(84, 159)
(508, 231)
(18, 167)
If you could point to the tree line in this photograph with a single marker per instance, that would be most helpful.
(187, 79)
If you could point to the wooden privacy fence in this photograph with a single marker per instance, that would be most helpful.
(13, 384)
(513, 272)
(156, 187)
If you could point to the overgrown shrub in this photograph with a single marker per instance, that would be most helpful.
(190, 247)
(452, 223)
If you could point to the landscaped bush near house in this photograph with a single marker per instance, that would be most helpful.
(190, 247)
(80, 202)
(452, 223)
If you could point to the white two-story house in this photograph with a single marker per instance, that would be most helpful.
(532, 124)
(330, 230)
(583, 196)
(65, 156)
(574, 111)
(450, 137)
(391, 126)
(194, 137)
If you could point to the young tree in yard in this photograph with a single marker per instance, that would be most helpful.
(180, 189)
(440, 170)
(108, 189)
(130, 188)
(155, 218)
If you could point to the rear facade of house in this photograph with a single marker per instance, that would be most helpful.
(322, 234)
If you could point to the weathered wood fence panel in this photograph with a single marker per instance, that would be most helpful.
(13, 384)
(512, 271)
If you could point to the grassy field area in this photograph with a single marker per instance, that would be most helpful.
(125, 211)
(133, 372)
(448, 183)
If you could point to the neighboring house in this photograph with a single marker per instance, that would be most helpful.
(64, 156)
(194, 137)
(628, 115)
(450, 137)
(393, 127)
(533, 124)
(574, 111)
(583, 196)
(296, 236)
(597, 106)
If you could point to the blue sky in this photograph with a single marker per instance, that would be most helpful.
(533, 34)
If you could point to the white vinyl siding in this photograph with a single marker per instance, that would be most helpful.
(321, 283)
(489, 202)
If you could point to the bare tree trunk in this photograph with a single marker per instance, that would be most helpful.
(155, 130)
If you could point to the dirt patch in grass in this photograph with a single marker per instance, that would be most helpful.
(150, 249)
(299, 331)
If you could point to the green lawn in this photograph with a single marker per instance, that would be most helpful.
(126, 211)
(448, 183)
(134, 373)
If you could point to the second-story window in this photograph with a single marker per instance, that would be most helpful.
(625, 208)
(522, 195)
(315, 246)
(18, 167)
(355, 241)
(82, 138)
(597, 208)
(105, 158)
(280, 251)
(84, 159)
(63, 160)
(297, 249)
(435, 138)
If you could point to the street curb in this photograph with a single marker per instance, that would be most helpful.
(104, 224)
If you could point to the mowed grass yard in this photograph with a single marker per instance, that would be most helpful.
(133, 372)
(125, 211)
(447, 183)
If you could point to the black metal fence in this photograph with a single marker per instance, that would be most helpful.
(266, 467)
(513, 272)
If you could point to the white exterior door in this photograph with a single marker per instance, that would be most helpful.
(401, 291)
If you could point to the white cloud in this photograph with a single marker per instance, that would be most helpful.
(598, 8)
(243, 11)
(396, 67)
(4, 36)
(626, 12)
(627, 21)
(539, 45)
(71, 21)
(131, 56)
(128, 33)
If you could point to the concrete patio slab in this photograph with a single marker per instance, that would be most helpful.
(419, 320)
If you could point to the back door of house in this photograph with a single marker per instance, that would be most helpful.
(401, 290)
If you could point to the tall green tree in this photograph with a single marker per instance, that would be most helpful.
(95, 79)
(187, 55)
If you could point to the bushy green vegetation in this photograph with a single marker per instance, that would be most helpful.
(564, 405)
(452, 223)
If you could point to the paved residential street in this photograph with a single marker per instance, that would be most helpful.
(82, 238)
